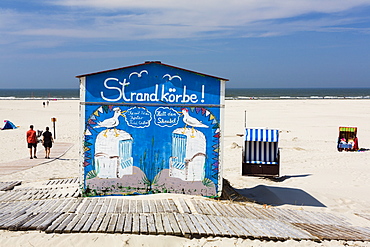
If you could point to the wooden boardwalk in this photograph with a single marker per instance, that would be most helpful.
(58, 150)
(57, 208)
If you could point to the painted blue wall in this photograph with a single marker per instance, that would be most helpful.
(149, 101)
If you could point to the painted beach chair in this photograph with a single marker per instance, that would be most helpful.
(261, 155)
(347, 139)
(188, 155)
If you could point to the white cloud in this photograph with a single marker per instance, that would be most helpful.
(148, 19)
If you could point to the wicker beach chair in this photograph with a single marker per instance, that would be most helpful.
(261, 155)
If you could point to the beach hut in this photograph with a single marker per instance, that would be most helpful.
(261, 155)
(347, 140)
(151, 128)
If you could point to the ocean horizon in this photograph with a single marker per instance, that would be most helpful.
(230, 94)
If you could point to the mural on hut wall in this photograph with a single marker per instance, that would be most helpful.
(150, 148)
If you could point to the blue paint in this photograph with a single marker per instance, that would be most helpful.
(152, 128)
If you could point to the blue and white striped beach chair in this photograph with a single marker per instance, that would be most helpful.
(261, 155)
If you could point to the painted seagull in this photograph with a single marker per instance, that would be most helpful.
(191, 121)
(110, 122)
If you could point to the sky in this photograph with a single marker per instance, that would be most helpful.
(253, 43)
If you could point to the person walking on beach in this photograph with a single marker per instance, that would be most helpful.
(32, 141)
(47, 142)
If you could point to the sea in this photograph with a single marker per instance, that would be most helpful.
(231, 94)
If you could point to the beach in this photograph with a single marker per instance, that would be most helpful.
(314, 175)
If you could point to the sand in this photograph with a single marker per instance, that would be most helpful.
(315, 176)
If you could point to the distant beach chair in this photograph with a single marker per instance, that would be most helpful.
(347, 139)
(261, 155)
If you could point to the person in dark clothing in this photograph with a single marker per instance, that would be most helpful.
(47, 142)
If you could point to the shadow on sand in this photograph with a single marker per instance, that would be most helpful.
(277, 196)
(285, 177)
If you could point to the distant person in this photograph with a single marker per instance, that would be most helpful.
(43, 103)
(47, 142)
(32, 141)
(355, 145)
(47, 103)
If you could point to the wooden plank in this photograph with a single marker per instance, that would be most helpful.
(182, 224)
(40, 221)
(248, 227)
(47, 206)
(151, 224)
(143, 223)
(33, 207)
(197, 225)
(166, 224)
(202, 222)
(222, 229)
(104, 224)
(120, 223)
(16, 222)
(98, 206)
(166, 206)
(128, 223)
(132, 207)
(173, 207)
(262, 228)
(211, 226)
(68, 205)
(284, 215)
(3, 205)
(84, 204)
(152, 206)
(91, 207)
(212, 206)
(159, 206)
(80, 224)
(125, 206)
(8, 209)
(135, 223)
(62, 203)
(48, 221)
(32, 220)
(105, 204)
(75, 206)
(226, 226)
(61, 223)
(243, 211)
(96, 223)
(239, 225)
(231, 210)
(184, 206)
(72, 223)
(236, 210)
(139, 206)
(193, 230)
(54, 206)
(112, 205)
(206, 207)
(230, 223)
(145, 206)
(282, 229)
(159, 223)
(196, 207)
(174, 224)
(221, 208)
(112, 223)
(89, 222)
(118, 208)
